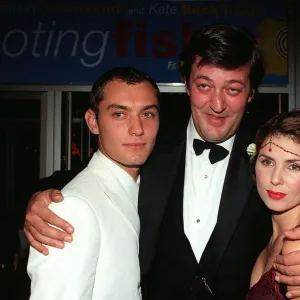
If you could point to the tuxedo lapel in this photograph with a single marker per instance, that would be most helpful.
(116, 193)
(237, 186)
(156, 183)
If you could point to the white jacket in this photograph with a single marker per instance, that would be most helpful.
(102, 261)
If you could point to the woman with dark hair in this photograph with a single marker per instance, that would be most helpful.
(276, 158)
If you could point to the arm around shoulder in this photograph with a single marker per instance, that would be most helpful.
(68, 273)
(38, 215)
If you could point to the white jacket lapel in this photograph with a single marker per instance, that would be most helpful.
(116, 193)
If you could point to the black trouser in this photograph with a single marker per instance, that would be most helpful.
(8, 286)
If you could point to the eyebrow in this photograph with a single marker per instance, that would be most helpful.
(126, 108)
(236, 81)
(288, 160)
(292, 160)
(150, 107)
(203, 77)
(227, 81)
(117, 106)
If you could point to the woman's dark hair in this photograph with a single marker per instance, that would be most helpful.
(224, 46)
(285, 124)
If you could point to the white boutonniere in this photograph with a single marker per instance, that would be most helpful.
(251, 150)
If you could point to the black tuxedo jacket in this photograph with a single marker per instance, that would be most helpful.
(243, 227)
(244, 224)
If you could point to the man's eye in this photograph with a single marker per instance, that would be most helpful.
(149, 114)
(118, 115)
(234, 91)
(204, 86)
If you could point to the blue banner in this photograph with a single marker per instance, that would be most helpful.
(62, 42)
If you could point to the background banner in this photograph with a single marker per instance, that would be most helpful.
(62, 42)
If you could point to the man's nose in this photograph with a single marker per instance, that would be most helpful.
(217, 102)
(136, 126)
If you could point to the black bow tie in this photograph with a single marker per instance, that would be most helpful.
(216, 152)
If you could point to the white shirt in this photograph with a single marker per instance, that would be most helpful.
(203, 184)
(128, 183)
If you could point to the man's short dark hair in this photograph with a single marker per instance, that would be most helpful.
(226, 47)
(128, 75)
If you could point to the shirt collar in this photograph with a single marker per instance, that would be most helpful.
(126, 180)
(193, 134)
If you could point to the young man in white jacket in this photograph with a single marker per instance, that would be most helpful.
(101, 201)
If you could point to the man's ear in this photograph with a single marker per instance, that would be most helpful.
(91, 121)
(251, 95)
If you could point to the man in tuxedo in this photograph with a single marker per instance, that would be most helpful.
(101, 201)
(202, 222)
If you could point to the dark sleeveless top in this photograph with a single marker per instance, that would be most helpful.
(267, 288)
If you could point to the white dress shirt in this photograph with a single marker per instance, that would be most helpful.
(203, 184)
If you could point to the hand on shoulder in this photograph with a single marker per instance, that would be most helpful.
(37, 220)
(287, 266)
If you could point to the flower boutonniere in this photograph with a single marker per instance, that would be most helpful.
(251, 150)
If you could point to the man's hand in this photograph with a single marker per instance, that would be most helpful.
(288, 267)
(36, 226)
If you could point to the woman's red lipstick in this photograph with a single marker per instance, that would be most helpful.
(275, 195)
